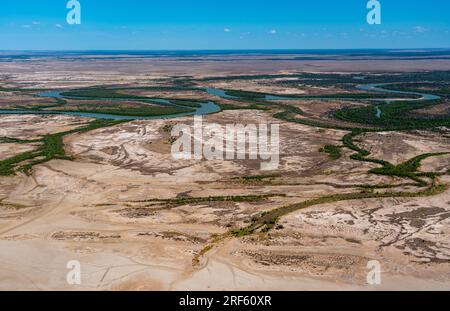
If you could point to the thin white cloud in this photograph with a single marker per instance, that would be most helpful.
(420, 29)
(227, 30)
(58, 26)
(26, 26)
(273, 32)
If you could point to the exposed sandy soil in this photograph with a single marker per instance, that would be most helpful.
(437, 110)
(86, 210)
(84, 72)
(9, 100)
(10, 150)
(30, 127)
(255, 86)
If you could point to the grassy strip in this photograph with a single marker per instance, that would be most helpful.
(361, 96)
(101, 93)
(256, 179)
(245, 94)
(12, 140)
(348, 96)
(187, 102)
(199, 200)
(236, 107)
(144, 111)
(161, 88)
(268, 220)
(52, 147)
(13, 206)
(15, 89)
(440, 88)
(59, 102)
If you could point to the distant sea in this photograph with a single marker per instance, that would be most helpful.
(8, 56)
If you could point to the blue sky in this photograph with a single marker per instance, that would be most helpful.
(231, 24)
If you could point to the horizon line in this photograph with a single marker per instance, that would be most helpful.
(226, 50)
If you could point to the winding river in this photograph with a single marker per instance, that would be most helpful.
(210, 107)
(379, 88)
(366, 87)
(204, 109)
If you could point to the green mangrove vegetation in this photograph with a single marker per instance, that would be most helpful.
(409, 169)
(345, 96)
(333, 151)
(51, 147)
(394, 115)
(199, 200)
(114, 102)
(141, 111)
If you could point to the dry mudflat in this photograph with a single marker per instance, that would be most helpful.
(94, 210)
